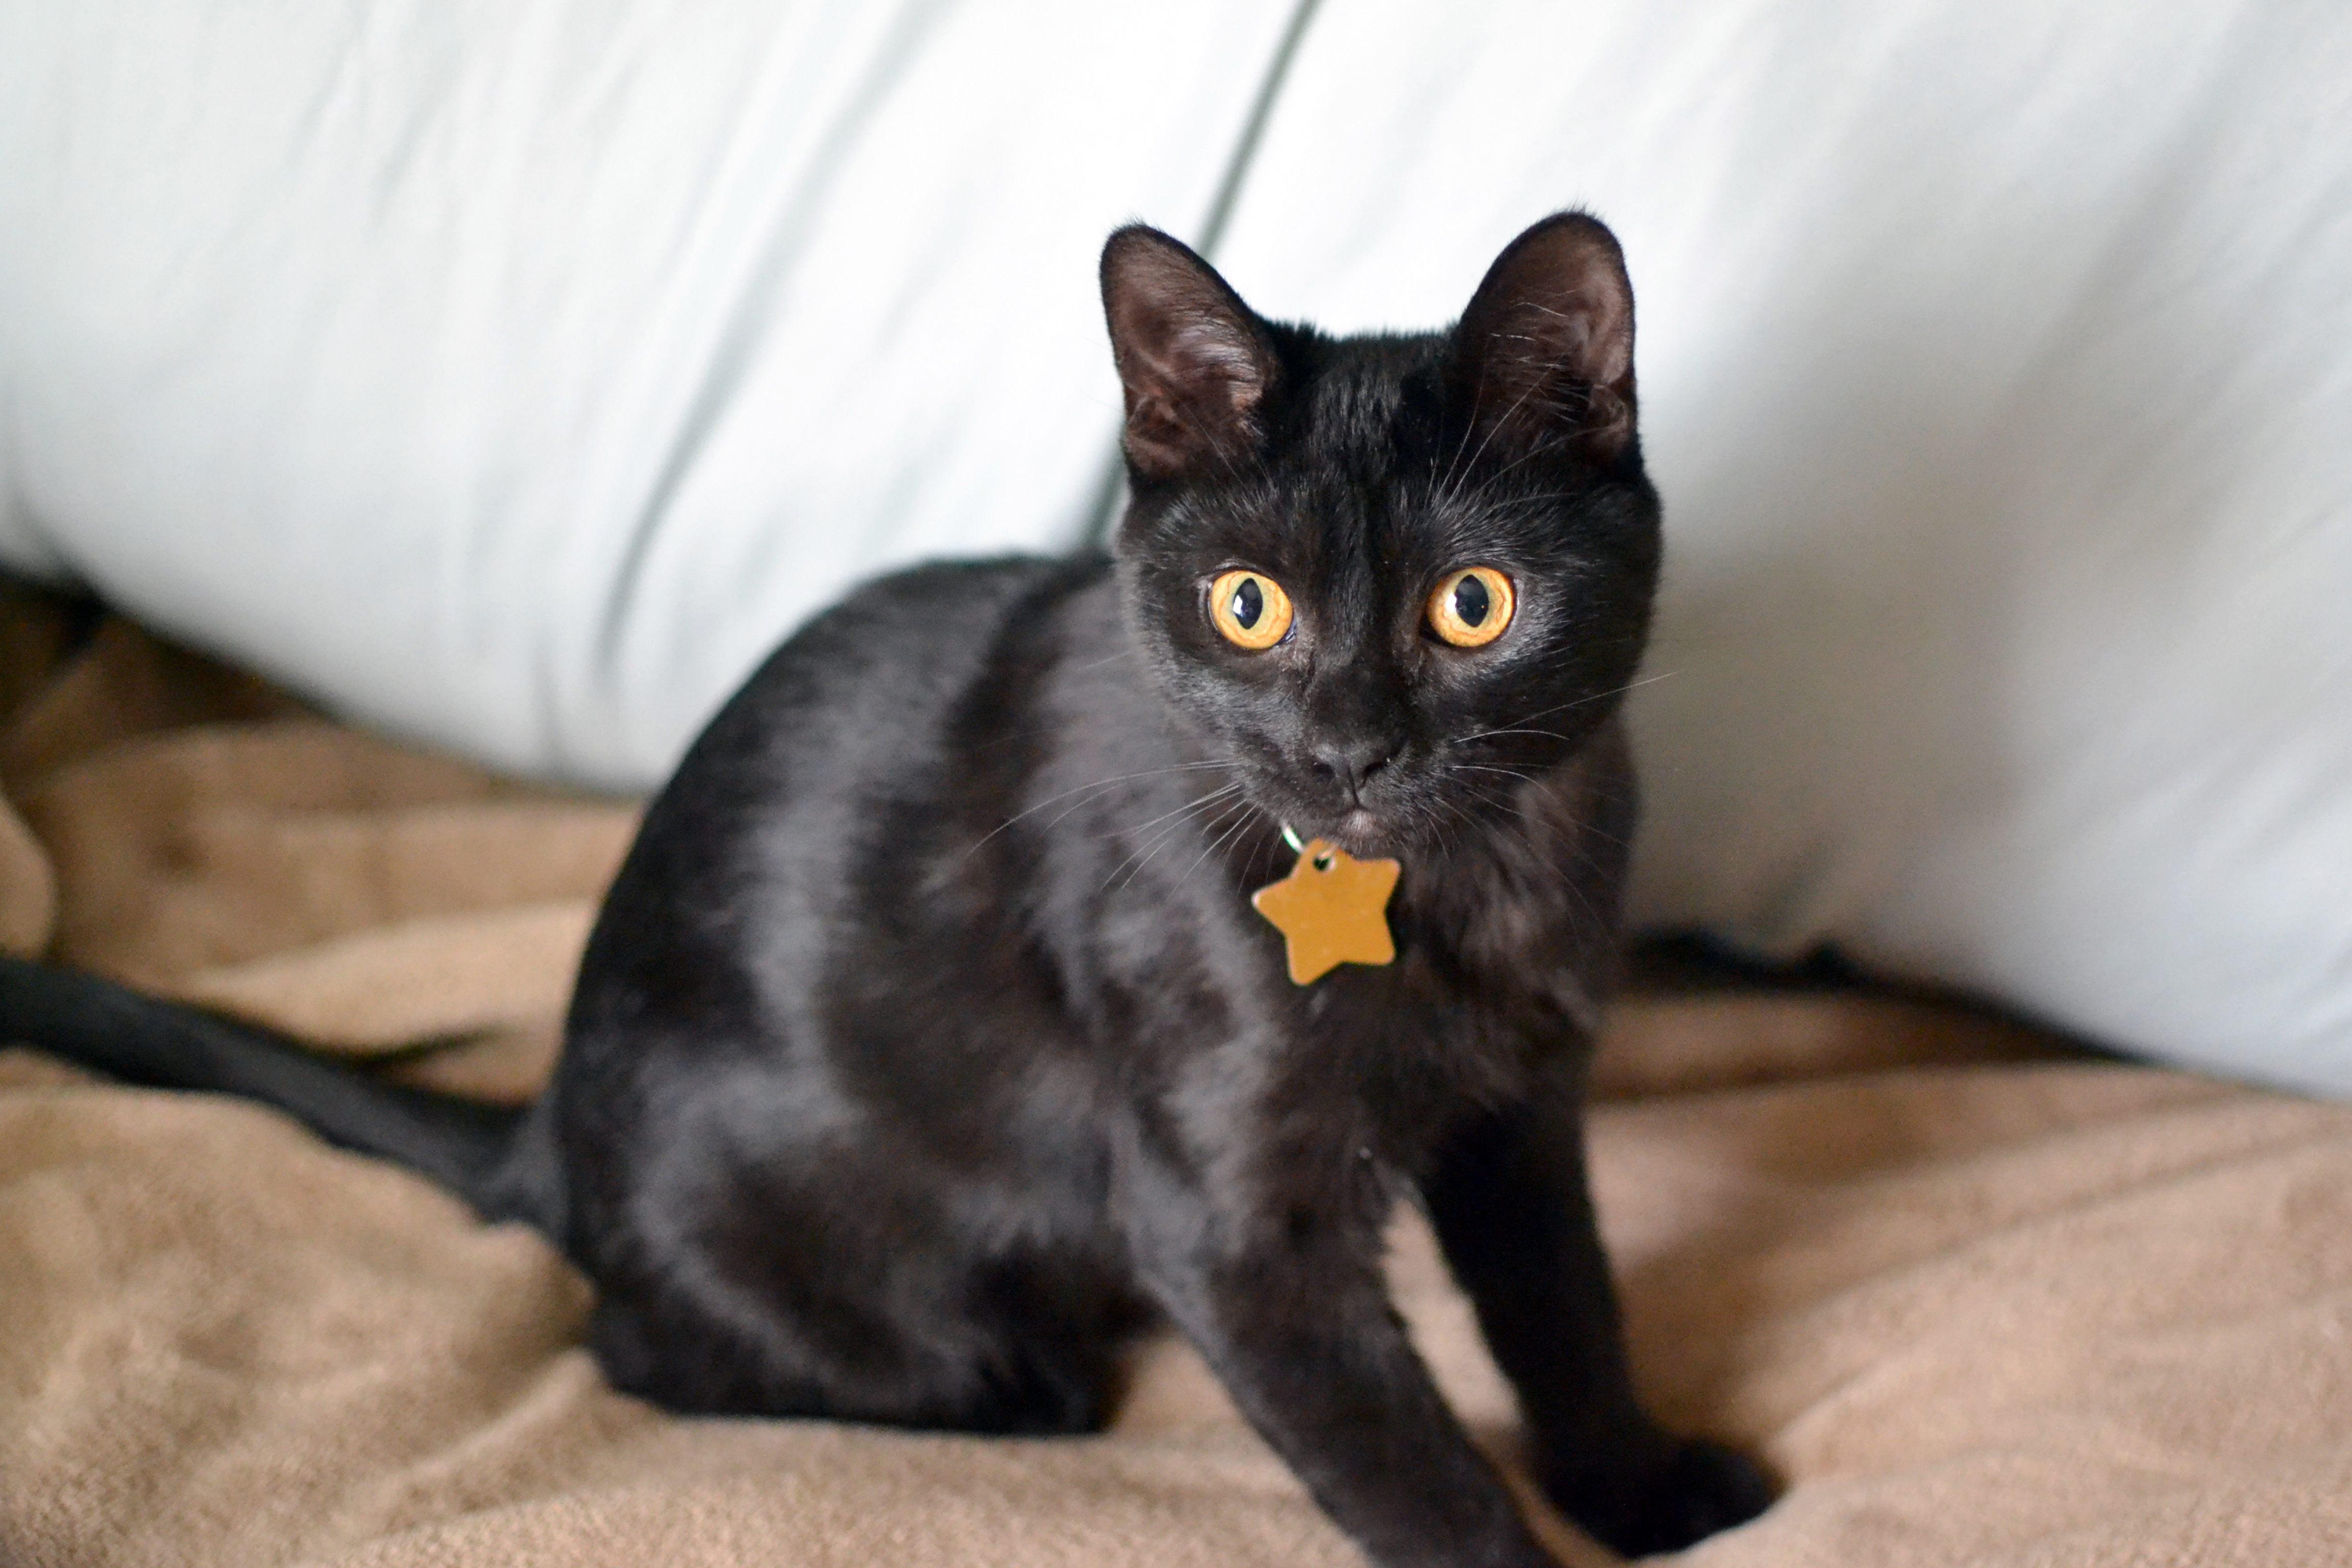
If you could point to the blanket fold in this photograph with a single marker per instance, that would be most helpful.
(1979, 1297)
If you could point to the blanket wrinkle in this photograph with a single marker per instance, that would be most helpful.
(1981, 1299)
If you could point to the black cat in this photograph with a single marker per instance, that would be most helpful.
(929, 1043)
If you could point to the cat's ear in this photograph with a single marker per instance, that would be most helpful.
(1193, 360)
(1545, 353)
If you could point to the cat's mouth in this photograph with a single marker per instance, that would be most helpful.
(1375, 823)
(1362, 831)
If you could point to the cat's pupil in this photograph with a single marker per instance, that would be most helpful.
(1249, 603)
(1471, 601)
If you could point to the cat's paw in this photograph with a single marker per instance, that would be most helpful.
(1700, 1488)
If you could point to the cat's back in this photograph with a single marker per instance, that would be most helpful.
(861, 714)
(760, 925)
(878, 677)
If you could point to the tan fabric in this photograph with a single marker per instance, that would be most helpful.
(1981, 1303)
(207, 839)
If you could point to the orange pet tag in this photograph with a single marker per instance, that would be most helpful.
(1332, 909)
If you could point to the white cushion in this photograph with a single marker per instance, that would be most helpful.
(515, 375)
(1996, 366)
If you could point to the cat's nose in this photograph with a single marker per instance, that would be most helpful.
(1352, 762)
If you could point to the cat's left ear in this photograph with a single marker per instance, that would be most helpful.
(1545, 353)
(1193, 360)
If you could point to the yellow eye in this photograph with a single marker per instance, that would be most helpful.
(1471, 608)
(1250, 609)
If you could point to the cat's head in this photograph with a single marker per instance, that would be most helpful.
(1386, 576)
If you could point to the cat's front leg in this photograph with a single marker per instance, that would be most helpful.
(1291, 1311)
(1510, 1204)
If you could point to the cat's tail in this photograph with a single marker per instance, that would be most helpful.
(97, 1024)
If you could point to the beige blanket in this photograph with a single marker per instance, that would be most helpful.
(1980, 1300)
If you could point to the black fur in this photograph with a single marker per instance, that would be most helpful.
(927, 1043)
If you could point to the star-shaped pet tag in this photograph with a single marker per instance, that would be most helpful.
(1332, 909)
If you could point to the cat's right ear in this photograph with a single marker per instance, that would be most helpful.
(1544, 355)
(1193, 361)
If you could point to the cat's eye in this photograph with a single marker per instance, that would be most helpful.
(1250, 609)
(1470, 607)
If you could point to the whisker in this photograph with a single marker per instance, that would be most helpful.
(1220, 791)
(1515, 727)
(1141, 855)
(1218, 843)
(1082, 789)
